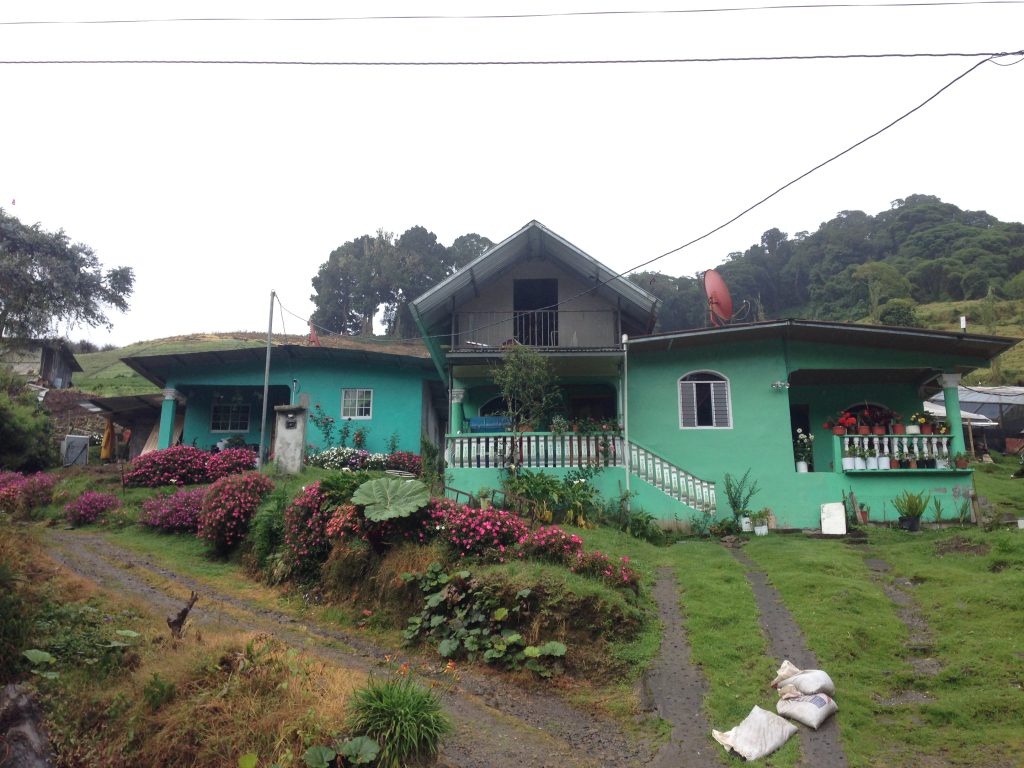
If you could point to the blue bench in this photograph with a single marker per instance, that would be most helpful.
(489, 424)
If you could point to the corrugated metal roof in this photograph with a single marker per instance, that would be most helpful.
(536, 239)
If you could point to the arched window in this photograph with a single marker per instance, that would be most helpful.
(704, 401)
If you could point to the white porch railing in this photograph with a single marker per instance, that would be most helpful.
(935, 447)
(675, 482)
(533, 450)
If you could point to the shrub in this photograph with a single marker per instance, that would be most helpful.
(595, 564)
(177, 513)
(339, 457)
(88, 507)
(230, 461)
(406, 719)
(178, 465)
(305, 530)
(20, 495)
(404, 461)
(227, 507)
(378, 461)
(490, 533)
(552, 543)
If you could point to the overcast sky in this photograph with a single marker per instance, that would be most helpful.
(220, 183)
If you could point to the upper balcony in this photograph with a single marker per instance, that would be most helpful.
(550, 329)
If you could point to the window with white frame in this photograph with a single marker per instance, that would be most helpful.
(229, 417)
(356, 403)
(704, 401)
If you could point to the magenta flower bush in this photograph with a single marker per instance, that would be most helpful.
(490, 533)
(177, 465)
(230, 461)
(177, 513)
(405, 461)
(88, 507)
(551, 543)
(597, 565)
(20, 494)
(228, 505)
(305, 530)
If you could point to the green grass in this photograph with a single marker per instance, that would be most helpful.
(975, 614)
(994, 482)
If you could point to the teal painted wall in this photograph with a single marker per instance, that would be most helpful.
(760, 438)
(397, 398)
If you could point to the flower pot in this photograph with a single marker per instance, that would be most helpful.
(899, 429)
(859, 463)
(801, 466)
(872, 462)
(895, 463)
(910, 523)
(761, 530)
(838, 430)
(878, 430)
(904, 463)
(926, 429)
(883, 463)
(849, 462)
(863, 429)
(746, 525)
(961, 463)
(913, 429)
(941, 463)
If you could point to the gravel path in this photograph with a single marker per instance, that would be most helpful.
(676, 688)
(497, 723)
(818, 748)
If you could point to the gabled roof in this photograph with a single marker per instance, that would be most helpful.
(636, 304)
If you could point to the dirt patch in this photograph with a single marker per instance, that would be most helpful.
(527, 729)
(962, 546)
(786, 641)
(675, 688)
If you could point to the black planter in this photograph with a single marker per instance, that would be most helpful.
(910, 523)
(904, 463)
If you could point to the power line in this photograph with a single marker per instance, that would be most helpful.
(760, 202)
(533, 63)
(511, 16)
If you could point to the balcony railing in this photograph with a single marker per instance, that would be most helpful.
(533, 450)
(539, 328)
(932, 450)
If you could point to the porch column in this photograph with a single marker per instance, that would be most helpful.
(950, 383)
(456, 421)
(168, 411)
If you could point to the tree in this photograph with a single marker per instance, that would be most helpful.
(25, 430)
(45, 280)
(884, 282)
(528, 384)
(899, 312)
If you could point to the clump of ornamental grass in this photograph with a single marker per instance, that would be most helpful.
(407, 720)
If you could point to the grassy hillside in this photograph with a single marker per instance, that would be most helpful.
(1000, 318)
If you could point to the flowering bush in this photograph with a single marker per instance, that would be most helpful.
(230, 461)
(339, 457)
(803, 445)
(178, 465)
(20, 494)
(551, 543)
(89, 506)
(598, 565)
(305, 529)
(348, 521)
(375, 461)
(405, 461)
(176, 513)
(227, 507)
(492, 533)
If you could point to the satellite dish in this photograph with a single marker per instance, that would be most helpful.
(719, 300)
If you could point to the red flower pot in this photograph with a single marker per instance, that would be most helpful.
(878, 430)
(838, 430)
(926, 429)
(863, 429)
(899, 429)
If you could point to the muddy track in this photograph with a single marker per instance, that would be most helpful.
(497, 723)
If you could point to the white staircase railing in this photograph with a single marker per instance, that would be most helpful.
(671, 480)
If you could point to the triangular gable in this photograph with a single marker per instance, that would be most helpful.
(638, 307)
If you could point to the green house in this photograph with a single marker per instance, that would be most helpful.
(666, 416)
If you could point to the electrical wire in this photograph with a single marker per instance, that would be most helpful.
(749, 208)
(515, 16)
(525, 63)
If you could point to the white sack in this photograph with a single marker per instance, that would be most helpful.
(811, 710)
(806, 681)
(760, 734)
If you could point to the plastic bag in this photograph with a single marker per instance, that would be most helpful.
(811, 710)
(806, 681)
(761, 733)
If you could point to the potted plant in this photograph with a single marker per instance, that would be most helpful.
(746, 525)
(560, 424)
(840, 423)
(910, 507)
(961, 460)
(920, 423)
(897, 427)
(895, 459)
(738, 494)
(860, 458)
(849, 457)
(871, 459)
(759, 520)
(803, 450)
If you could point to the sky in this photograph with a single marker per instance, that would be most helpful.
(220, 183)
